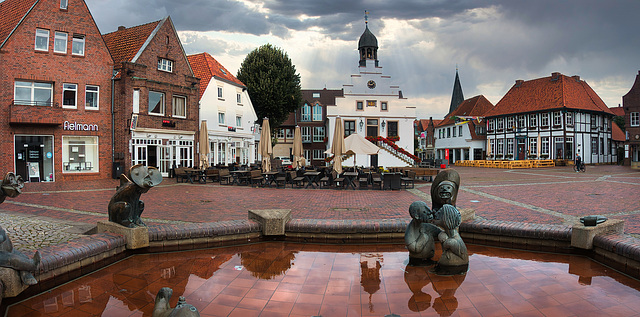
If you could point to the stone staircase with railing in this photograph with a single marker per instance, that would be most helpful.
(400, 155)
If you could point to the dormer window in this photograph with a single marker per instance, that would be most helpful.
(165, 65)
(64, 4)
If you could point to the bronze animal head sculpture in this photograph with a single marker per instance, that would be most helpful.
(11, 186)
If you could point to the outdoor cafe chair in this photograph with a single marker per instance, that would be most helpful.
(225, 176)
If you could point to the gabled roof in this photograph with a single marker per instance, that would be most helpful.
(617, 111)
(327, 96)
(12, 12)
(125, 44)
(206, 67)
(616, 133)
(476, 106)
(549, 93)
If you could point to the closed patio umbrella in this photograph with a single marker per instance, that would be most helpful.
(488, 147)
(265, 146)
(337, 146)
(204, 145)
(539, 146)
(298, 159)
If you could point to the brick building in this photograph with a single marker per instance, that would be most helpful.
(155, 97)
(631, 105)
(312, 119)
(55, 92)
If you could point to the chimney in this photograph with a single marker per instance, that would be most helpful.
(576, 77)
(519, 82)
(121, 27)
(555, 75)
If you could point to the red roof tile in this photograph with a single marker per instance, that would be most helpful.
(617, 111)
(205, 67)
(549, 93)
(11, 13)
(616, 133)
(476, 106)
(125, 43)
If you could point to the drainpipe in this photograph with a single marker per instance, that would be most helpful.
(113, 127)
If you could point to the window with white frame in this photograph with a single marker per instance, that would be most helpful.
(509, 146)
(156, 103)
(521, 121)
(569, 118)
(290, 134)
(219, 92)
(69, 95)
(349, 127)
(491, 124)
(306, 134)
(594, 145)
(60, 42)
(318, 134)
(165, 65)
(544, 146)
(306, 113)
(238, 98)
(315, 95)
(557, 118)
(33, 93)
(384, 106)
(42, 40)
(634, 119)
(533, 120)
(460, 130)
(239, 122)
(91, 97)
(306, 153)
(77, 45)
(318, 155)
(500, 123)
(510, 123)
(544, 119)
(500, 148)
(454, 131)
(492, 147)
(533, 146)
(280, 134)
(136, 100)
(80, 154)
(449, 132)
(592, 121)
(317, 112)
(179, 105)
(64, 4)
(221, 119)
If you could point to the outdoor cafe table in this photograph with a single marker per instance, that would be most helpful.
(311, 177)
(269, 178)
(236, 176)
(194, 173)
(349, 178)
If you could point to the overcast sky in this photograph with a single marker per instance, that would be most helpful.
(493, 43)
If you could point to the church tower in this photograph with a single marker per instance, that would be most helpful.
(368, 44)
(457, 97)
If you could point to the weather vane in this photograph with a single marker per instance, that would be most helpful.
(366, 17)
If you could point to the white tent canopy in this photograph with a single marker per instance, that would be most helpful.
(357, 144)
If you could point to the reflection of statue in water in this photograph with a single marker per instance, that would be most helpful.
(10, 258)
(125, 206)
(370, 275)
(417, 278)
(163, 309)
(446, 287)
(419, 235)
(444, 191)
(268, 260)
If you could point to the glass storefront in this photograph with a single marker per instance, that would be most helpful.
(34, 157)
(80, 154)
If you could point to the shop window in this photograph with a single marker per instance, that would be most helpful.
(179, 105)
(42, 40)
(91, 97)
(33, 93)
(165, 65)
(80, 154)
(77, 46)
(69, 95)
(156, 103)
(60, 42)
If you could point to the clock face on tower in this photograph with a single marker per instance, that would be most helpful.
(371, 84)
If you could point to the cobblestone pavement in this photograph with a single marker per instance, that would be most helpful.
(546, 195)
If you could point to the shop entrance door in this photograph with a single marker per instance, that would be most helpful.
(165, 160)
(140, 155)
(152, 155)
(34, 157)
(521, 150)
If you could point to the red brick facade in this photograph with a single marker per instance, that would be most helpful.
(35, 133)
(631, 105)
(159, 139)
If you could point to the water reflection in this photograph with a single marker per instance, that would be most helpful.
(278, 278)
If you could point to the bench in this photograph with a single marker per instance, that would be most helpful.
(255, 177)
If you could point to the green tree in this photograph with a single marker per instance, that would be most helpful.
(619, 120)
(272, 83)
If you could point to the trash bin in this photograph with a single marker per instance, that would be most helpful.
(117, 169)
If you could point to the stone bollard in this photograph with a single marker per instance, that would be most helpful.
(135, 238)
(582, 236)
(272, 220)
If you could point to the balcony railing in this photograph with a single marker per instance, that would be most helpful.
(30, 112)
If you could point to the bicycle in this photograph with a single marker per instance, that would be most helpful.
(579, 167)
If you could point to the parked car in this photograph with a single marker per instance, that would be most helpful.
(286, 161)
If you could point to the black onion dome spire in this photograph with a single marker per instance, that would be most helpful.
(368, 44)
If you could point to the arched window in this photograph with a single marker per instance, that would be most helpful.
(306, 113)
(317, 112)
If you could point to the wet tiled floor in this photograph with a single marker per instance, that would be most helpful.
(290, 279)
